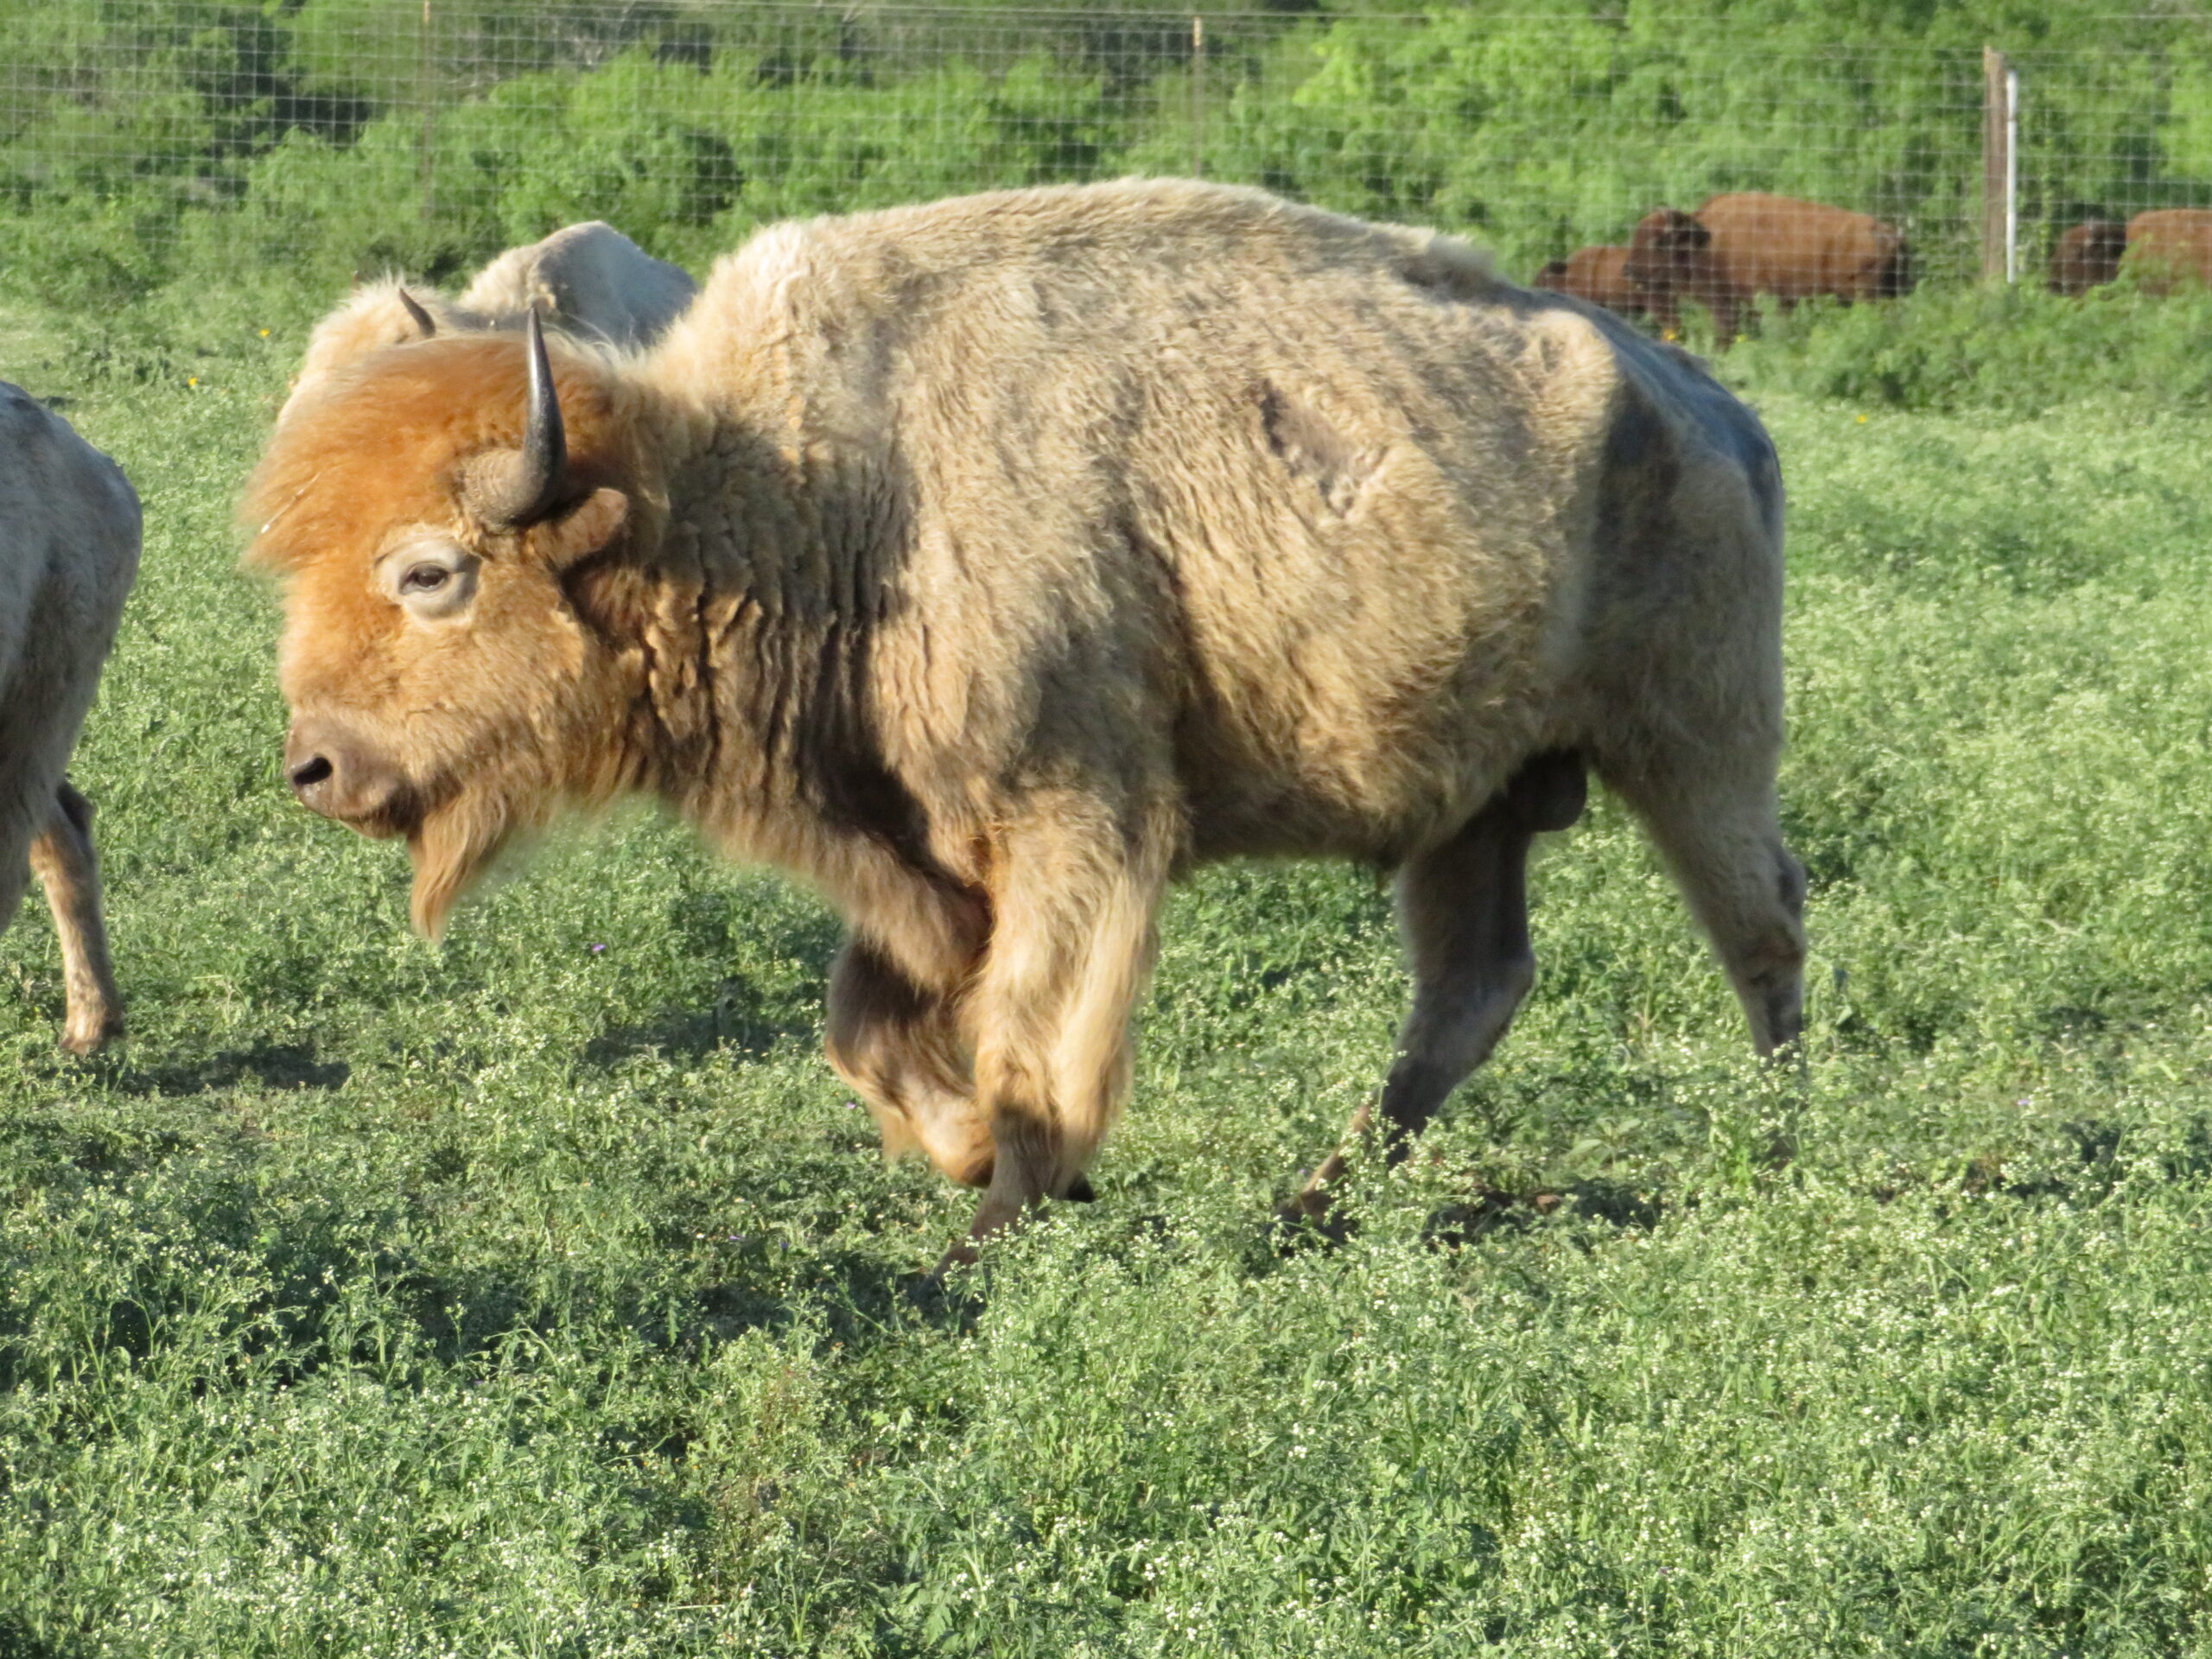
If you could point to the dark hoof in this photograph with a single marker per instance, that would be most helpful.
(1081, 1191)
(84, 1038)
(1457, 1225)
(1297, 1228)
(959, 1305)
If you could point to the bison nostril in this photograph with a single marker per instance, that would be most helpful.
(308, 773)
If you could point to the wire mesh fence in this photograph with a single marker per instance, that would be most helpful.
(144, 138)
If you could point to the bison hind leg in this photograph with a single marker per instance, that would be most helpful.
(1463, 909)
(62, 856)
(1717, 827)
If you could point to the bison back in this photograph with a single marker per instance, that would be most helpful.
(1313, 503)
(1795, 250)
(592, 279)
(1600, 275)
(2170, 247)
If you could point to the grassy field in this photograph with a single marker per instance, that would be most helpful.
(542, 1293)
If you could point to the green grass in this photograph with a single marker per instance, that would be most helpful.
(541, 1293)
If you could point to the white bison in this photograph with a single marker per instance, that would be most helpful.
(589, 280)
(992, 563)
(68, 552)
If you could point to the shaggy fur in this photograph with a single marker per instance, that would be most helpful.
(589, 280)
(68, 552)
(993, 562)
(2170, 248)
(1738, 246)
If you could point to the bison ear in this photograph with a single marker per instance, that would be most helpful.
(582, 530)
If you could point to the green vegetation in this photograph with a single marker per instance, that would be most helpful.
(2017, 351)
(144, 142)
(542, 1293)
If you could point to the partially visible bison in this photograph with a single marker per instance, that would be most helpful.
(2170, 248)
(990, 564)
(69, 531)
(1599, 274)
(1738, 246)
(2087, 256)
(589, 280)
(1669, 260)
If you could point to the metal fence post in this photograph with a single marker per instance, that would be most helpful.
(425, 89)
(2012, 175)
(1198, 97)
(1996, 161)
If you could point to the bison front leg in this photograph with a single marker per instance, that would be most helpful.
(62, 856)
(1463, 909)
(900, 1046)
(1075, 890)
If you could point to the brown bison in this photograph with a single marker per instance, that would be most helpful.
(69, 531)
(2087, 256)
(990, 564)
(1737, 246)
(2170, 248)
(589, 280)
(1599, 274)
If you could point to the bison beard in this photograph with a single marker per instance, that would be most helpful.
(991, 564)
(449, 850)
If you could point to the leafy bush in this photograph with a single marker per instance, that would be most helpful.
(144, 140)
(2019, 349)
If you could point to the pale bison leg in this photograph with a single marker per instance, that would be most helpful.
(898, 1046)
(1074, 895)
(1718, 829)
(1464, 908)
(62, 856)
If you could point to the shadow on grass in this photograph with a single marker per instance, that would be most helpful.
(1488, 1212)
(736, 1020)
(424, 1319)
(275, 1065)
(16, 1641)
(498, 1320)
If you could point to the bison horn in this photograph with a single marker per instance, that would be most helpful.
(422, 319)
(529, 485)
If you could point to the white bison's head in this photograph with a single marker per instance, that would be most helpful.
(433, 512)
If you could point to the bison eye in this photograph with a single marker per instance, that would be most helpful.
(434, 582)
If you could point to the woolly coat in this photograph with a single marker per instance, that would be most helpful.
(989, 563)
(1307, 530)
